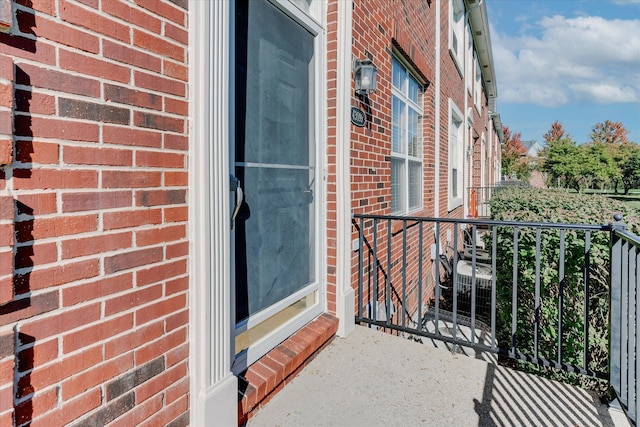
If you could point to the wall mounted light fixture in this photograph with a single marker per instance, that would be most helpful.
(366, 74)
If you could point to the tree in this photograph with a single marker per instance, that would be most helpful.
(599, 165)
(611, 140)
(619, 153)
(514, 160)
(564, 163)
(631, 169)
(609, 133)
(607, 158)
(556, 132)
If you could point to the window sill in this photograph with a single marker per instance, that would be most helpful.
(396, 226)
(454, 203)
(456, 61)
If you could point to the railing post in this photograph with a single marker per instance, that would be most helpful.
(586, 283)
(514, 294)
(615, 304)
(360, 266)
(373, 301)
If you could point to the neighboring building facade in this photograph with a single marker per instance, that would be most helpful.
(177, 183)
(537, 178)
(533, 147)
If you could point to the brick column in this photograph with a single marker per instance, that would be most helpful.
(6, 158)
(6, 15)
(6, 220)
(6, 105)
(6, 90)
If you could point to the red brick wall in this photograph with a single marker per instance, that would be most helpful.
(93, 297)
(332, 52)
(378, 27)
(452, 87)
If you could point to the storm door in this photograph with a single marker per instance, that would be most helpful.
(274, 163)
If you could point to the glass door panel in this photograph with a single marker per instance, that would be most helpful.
(274, 159)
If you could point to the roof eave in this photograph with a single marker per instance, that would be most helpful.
(479, 22)
(497, 126)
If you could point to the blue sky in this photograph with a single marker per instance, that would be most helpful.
(575, 61)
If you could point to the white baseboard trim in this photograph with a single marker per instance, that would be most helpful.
(347, 313)
(217, 406)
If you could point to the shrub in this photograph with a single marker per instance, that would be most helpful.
(556, 206)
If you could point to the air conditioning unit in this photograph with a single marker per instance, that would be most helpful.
(464, 270)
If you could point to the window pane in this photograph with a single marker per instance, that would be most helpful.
(453, 148)
(413, 134)
(274, 246)
(415, 185)
(276, 96)
(454, 42)
(456, 153)
(414, 89)
(398, 75)
(397, 191)
(305, 5)
(397, 126)
(453, 161)
(458, 8)
(454, 182)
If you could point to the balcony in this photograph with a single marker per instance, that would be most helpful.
(376, 379)
(452, 311)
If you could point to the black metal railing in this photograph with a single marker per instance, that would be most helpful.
(488, 285)
(624, 360)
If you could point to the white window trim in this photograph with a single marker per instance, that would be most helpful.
(468, 60)
(484, 160)
(477, 84)
(458, 161)
(405, 157)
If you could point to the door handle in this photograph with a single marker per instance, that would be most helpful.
(236, 187)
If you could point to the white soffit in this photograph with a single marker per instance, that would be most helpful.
(479, 23)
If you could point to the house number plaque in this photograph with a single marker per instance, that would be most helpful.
(357, 117)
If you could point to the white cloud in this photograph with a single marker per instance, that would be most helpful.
(603, 93)
(570, 60)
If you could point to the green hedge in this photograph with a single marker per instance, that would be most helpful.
(536, 205)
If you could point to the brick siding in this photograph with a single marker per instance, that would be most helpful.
(381, 27)
(93, 211)
(93, 201)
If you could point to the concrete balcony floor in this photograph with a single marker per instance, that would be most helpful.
(376, 379)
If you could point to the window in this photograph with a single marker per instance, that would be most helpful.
(406, 141)
(477, 85)
(484, 162)
(456, 153)
(456, 29)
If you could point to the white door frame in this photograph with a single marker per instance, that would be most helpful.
(213, 386)
(345, 295)
(214, 389)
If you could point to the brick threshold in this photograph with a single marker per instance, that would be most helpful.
(267, 376)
